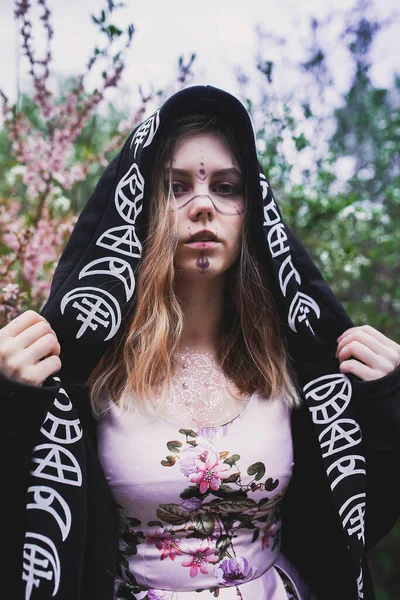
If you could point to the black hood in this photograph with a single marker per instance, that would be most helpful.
(94, 285)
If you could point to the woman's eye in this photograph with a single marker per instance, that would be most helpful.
(178, 188)
(228, 189)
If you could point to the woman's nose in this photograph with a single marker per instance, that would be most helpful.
(202, 206)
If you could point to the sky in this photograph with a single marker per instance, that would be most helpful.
(220, 32)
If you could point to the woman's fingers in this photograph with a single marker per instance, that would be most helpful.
(45, 346)
(355, 332)
(37, 374)
(32, 334)
(378, 345)
(357, 368)
(367, 353)
(20, 323)
(29, 349)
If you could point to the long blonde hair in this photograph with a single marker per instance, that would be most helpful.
(140, 361)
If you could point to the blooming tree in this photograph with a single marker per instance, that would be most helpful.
(36, 217)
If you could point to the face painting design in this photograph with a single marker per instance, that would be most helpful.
(203, 263)
(208, 203)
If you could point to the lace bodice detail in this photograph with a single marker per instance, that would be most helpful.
(201, 395)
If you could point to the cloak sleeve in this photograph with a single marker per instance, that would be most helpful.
(377, 404)
(23, 410)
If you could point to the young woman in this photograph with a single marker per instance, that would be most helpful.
(219, 427)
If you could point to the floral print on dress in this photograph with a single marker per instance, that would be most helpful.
(200, 529)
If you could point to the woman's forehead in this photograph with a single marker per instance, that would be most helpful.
(203, 149)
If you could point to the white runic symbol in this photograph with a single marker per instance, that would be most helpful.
(360, 585)
(264, 186)
(91, 316)
(299, 309)
(129, 194)
(353, 520)
(62, 431)
(276, 240)
(331, 395)
(121, 239)
(146, 132)
(339, 436)
(346, 466)
(65, 403)
(57, 464)
(114, 266)
(90, 312)
(39, 563)
(271, 214)
(286, 272)
(47, 499)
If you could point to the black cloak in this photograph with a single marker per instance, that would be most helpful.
(92, 289)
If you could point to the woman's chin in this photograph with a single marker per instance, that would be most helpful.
(203, 269)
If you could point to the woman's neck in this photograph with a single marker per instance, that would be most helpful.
(202, 305)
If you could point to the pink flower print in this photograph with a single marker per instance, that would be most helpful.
(189, 456)
(210, 472)
(163, 541)
(200, 557)
(268, 533)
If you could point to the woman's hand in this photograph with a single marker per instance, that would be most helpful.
(29, 349)
(367, 353)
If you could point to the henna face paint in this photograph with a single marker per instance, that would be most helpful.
(203, 263)
(239, 210)
(202, 172)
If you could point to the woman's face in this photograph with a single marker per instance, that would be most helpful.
(209, 205)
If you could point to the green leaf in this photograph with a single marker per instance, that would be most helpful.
(236, 506)
(300, 142)
(231, 460)
(232, 478)
(257, 469)
(169, 461)
(172, 514)
(223, 542)
(226, 491)
(255, 535)
(204, 523)
(174, 446)
(154, 524)
(271, 484)
(133, 521)
(192, 491)
(188, 432)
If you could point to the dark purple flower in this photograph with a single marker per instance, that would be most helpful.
(156, 594)
(190, 504)
(233, 571)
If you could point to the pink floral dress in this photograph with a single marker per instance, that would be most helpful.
(199, 509)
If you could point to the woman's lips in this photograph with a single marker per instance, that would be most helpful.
(202, 244)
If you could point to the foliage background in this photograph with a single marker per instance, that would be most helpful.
(335, 171)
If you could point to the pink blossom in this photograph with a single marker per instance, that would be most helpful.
(209, 472)
(189, 455)
(269, 532)
(163, 541)
(10, 291)
(200, 556)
